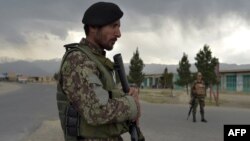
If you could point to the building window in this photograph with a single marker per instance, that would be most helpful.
(246, 83)
(150, 81)
(231, 82)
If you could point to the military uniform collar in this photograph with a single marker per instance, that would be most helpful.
(99, 52)
(95, 49)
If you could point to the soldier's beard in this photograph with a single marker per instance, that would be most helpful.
(107, 45)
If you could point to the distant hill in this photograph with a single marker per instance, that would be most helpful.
(33, 68)
(49, 67)
(7, 59)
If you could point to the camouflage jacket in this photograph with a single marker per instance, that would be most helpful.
(198, 89)
(80, 78)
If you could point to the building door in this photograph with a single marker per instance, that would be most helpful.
(231, 82)
(150, 82)
(246, 83)
(145, 82)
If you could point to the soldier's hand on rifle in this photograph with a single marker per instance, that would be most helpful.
(134, 92)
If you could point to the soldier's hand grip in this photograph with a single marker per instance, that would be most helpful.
(133, 132)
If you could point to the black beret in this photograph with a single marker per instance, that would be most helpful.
(102, 13)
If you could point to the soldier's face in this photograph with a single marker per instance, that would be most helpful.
(107, 35)
(199, 76)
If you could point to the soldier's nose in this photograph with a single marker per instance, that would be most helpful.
(118, 33)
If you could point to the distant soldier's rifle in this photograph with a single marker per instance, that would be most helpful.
(191, 107)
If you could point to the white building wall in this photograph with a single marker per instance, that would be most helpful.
(147, 82)
(153, 81)
(223, 82)
(239, 83)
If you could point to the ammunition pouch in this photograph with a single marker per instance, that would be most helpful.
(72, 122)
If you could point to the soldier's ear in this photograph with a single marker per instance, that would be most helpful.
(94, 29)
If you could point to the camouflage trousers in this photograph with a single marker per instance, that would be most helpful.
(107, 139)
(199, 101)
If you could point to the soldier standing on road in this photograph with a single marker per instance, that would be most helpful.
(198, 94)
(91, 107)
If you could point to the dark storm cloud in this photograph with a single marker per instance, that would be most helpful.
(190, 9)
(19, 17)
(198, 13)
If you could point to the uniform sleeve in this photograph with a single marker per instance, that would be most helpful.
(84, 90)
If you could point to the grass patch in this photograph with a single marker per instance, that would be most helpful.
(209, 102)
(158, 96)
(163, 96)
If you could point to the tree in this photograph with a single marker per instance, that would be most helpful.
(184, 72)
(206, 64)
(56, 76)
(164, 78)
(167, 79)
(170, 80)
(135, 69)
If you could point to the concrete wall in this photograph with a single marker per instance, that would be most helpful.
(239, 81)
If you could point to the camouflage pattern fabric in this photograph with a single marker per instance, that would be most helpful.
(198, 93)
(109, 139)
(201, 102)
(84, 90)
(198, 89)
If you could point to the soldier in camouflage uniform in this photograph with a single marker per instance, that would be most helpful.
(198, 95)
(91, 107)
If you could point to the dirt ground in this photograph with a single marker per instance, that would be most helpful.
(237, 100)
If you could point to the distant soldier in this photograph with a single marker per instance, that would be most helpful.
(91, 106)
(198, 94)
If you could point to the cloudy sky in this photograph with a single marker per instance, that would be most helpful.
(161, 29)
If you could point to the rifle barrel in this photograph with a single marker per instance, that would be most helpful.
(119, 67)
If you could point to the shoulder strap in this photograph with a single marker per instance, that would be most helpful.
(108, 79)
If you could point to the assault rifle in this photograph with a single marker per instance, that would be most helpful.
(134, 130)
(191, 106)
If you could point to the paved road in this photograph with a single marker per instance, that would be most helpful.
(168, 123)
(160, 122)
(24, 110)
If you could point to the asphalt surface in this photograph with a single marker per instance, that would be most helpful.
(23, 111)
(169, 122)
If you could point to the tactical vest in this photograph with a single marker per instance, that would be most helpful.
(84, 129)
(200, 90)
